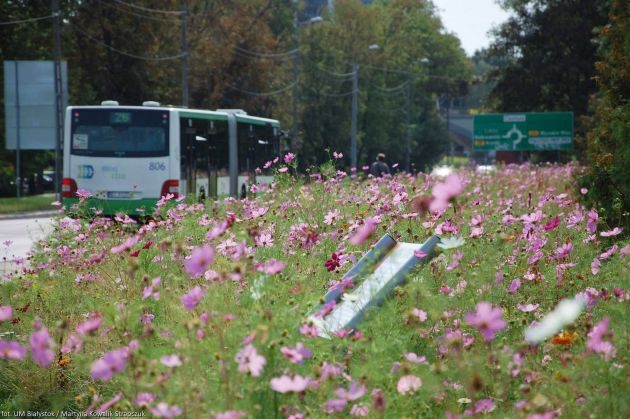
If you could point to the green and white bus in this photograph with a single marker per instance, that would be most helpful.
(128, 157)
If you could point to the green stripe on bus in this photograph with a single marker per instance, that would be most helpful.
(195, 115)
(263, 122)
(114, 206)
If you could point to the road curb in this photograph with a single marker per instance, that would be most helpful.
(33, 214)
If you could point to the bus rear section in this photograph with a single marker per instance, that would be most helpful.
(120, 157)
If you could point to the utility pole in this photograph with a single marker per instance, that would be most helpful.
(294, 110)
(58, 96)
(184, 49)
(18, 173)
(353, 124)
(409, 113)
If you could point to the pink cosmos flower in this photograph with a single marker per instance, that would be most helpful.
(378, 400)
(415, 359)
(593, 219)
(163, 410)
(484, 406)
(444, 192)
(420, 315)
(112, 362)
(332, 216)
(11, 350)
(41, 345)
(551, 225)
(359, 410)
(329, 371)
(527, 308)
(283, 170)
(83, 193)
(365, 231)
(288, 158)
(596, 343)
(91, 325)
(337, 156)
(614, 232)
(230, 414)
(72, 345)
(595, 266)
(193, 298)
(144, 399)
(171, 361)
(105, 406)
(564, 250)
(128, 244)
(6, 312)
(298, 354)
(286, 384)
(408, 384)
(250, 361)
(199, 260)
(514, 286)
(487, 319)
(271, 267)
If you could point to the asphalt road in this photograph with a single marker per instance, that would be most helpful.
(22, 233)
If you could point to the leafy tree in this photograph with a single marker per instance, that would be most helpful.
(608, 141)
(551, 55)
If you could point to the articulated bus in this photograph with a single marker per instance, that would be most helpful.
(128, 157)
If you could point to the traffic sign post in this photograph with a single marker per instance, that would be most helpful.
(523, 131)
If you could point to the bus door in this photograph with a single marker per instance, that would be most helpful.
(195, 159)
(246, 156)
(262, 145)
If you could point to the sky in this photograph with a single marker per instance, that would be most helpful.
(471, 20)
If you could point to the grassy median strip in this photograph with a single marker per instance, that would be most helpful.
(26, 204)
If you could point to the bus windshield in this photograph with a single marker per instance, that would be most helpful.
(119, 132)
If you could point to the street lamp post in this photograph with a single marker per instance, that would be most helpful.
(353, 122)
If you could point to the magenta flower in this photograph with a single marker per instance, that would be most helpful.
(555, 222)
(163, 410)
(593, 219)
(614, 232)
(564, 250)
(193, 298)
(230, 414)
(72, 345)
(144, 399)
(83, 193)
(527, 308)
(596, 343)
(250, 361)
(112, 362)
(487, 319)
(408, 384)
(199, 260)
(288, 158)
(298, 354)
(444, 192)
(91, 325)
(41, 347)
(11, 350)
(271, 267)
(106, 406)
(6, 312)
(365, 231)
(171, 361)
(286, 384)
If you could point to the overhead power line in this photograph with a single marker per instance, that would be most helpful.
(34, 19)
(138, 57)
(393, 89)
(255, 54)
(263, 94)
(146, 9)
(113, 6)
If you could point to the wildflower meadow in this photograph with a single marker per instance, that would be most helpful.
(211, 310)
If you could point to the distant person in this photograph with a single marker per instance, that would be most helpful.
(379, 167)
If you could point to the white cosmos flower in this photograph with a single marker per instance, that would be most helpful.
(451, 242)
(564, 313)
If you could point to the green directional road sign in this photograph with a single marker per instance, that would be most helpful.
(523, 131)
